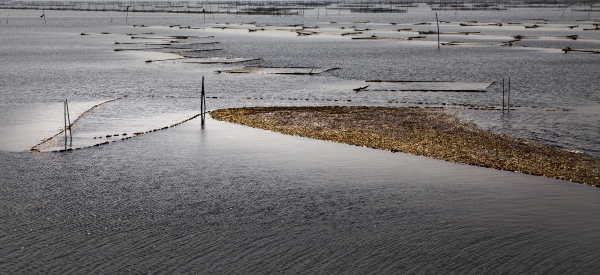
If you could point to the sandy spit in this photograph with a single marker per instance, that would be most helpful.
(421, 132)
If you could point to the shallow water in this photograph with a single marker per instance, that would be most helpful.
(230, 198)
(53, 62)
(227, 198)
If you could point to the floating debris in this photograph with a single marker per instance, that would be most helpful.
(521, 37)
(456, 43)
(377, 10)
(191, 28)
(169, 37)
(480, 25)
(594, 29)
(144, 49)
(434, 32)
(305, 32)
(278, 70)
(568, 49)
(374, 37)
(360, 88)
(204, 60)
(351, 33)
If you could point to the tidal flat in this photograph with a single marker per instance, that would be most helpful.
(422, 132)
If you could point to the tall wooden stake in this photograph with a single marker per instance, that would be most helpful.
(508, 105)
(503, 95)
(202, 103)
(69, 123)
(438, 27)
(65, 118)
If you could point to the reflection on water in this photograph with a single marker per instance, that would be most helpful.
(230, 198)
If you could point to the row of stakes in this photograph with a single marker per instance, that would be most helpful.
(126, 137)
(68, 127)
(203, 106)
(447, 104)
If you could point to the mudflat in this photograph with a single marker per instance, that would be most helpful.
(423, 132)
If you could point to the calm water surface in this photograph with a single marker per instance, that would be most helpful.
(230, 199)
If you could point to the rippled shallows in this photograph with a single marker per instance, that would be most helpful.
(227, 199)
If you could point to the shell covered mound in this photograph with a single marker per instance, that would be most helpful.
(422, 132)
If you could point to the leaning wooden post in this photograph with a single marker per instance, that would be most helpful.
(69, 123)
(438, 27)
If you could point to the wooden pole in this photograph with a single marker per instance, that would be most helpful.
(502, 95)
(65, 118)
(202, 104)
(508, 96)
(69, 123)
(438, 28)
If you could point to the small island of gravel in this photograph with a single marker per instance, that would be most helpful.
(422, 132)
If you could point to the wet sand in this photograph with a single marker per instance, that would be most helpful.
(422, 132)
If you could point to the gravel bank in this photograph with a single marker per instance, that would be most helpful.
(421, 132)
